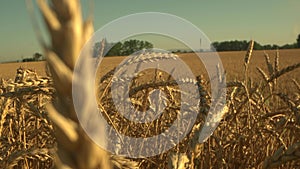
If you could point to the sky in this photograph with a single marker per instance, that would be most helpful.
(267, 21)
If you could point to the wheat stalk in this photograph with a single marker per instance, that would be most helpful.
(68, 33)
(242, 140)
(249, 53)
(296, 84)
(283, 71)
(269, 65)
(281, 157)
(23, 120)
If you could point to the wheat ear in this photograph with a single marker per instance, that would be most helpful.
(68, 34)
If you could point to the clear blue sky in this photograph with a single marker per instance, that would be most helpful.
(266, 21)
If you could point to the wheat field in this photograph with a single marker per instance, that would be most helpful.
(260, 129)
(39, 127)
(232, 62)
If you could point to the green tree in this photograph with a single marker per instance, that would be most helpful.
(257, 46)
(115, 50)
(36, 56)
(133, 45)
(288, 46)
(298, 41)
(230, 45)
(242, 45)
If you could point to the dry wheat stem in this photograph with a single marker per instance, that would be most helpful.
(280, 156)
(26, 107)
(283, 71)
(269, 65)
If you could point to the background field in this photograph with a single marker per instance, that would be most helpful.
(259, 129)
(233, 63)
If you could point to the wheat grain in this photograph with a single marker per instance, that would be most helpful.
(249, 52)
(263, 74)
(276, 61)
(269, 65)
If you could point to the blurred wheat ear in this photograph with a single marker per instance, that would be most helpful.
(68, 32)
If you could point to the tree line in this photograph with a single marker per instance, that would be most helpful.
(35, 57)
(110, 49)
(242, 45)
(121, 49)
(130, 46)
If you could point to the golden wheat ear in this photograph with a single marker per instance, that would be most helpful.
(68, 34)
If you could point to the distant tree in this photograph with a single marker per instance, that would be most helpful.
(274, 46)
(288, 46)
(298, 41)
(36, 56)
(115, 50)
(134, 45)
(242, 45)
(177, 51)
(257, 46)
(28, 60)
(118, 49)
(267, 47)
(213, 46)
(230, 45)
